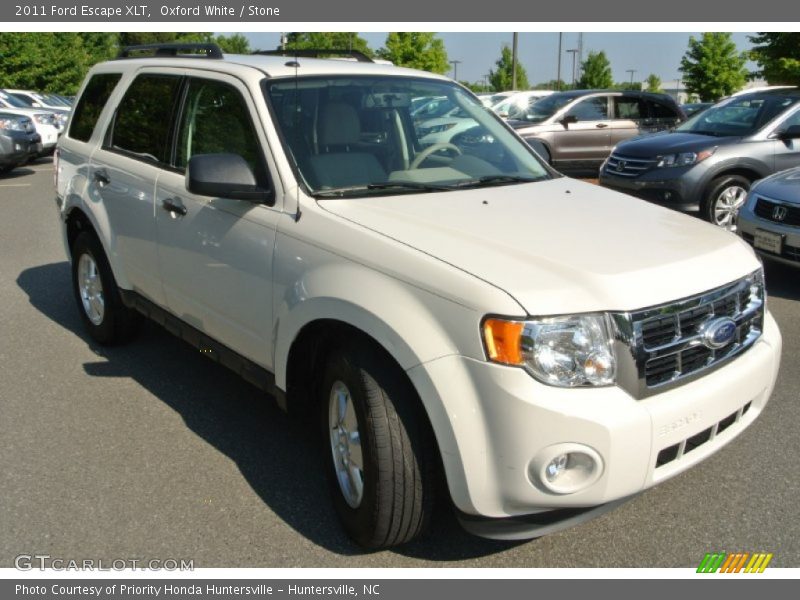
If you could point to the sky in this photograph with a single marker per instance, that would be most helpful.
(658, 53)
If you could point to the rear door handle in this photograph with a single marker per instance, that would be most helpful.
(101, 177)
(174, 206)
(602, 125)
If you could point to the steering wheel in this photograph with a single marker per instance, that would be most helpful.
(420, 158)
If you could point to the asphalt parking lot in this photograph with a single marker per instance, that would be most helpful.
(151, 451)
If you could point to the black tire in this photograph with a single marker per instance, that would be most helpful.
(721, 191)
(395, 443)
(115, 323)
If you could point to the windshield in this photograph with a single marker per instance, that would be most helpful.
(541, 109)
(355, 136)
(12, 101)
(737, 116)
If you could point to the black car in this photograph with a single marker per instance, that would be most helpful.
(19, 141)
(576, 130)
(709, 162)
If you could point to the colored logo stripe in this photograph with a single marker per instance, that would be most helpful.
(734, 563)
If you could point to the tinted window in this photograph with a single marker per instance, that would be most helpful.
(27, 101)
(216, 120)
(142, 123)
(89, 107)
(661, 111)
(590, 109)
(628, 108)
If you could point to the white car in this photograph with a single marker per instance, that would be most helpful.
(515, 105)
(42, 101)
(46, 122)
(549, 347)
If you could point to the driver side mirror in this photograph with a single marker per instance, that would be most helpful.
(568, 120)
(790, 133)
(223, 176)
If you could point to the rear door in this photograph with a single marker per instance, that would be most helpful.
(215, 254)
(586, 141)
(630, 118)
(787, 152)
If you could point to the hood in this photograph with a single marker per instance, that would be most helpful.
(783, 186)
(560, 246)
(662, 143)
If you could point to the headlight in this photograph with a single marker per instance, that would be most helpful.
(569, 351)
(684, 159)
(12, 124)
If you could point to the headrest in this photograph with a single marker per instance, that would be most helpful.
(338, 125)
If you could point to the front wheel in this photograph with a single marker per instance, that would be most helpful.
(726, 198)
(378, 446)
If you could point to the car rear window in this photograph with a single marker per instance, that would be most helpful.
(91, 104)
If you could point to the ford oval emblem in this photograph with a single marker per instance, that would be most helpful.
(718, 332)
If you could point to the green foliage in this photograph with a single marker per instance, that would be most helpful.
(233, 44)
(653, 82)
(501, 77)
(596, 72)
(778, 55)
(327, 39)
(163, 37)
(417, 50)
(627, 85)
(552, 85)
(713, 67)
(49, 62)
(478, 86)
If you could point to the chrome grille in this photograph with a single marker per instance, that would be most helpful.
(789, 215)
(665, 344)
(626, 166)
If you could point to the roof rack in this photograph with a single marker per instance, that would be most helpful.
(316, 53)
(172, 50)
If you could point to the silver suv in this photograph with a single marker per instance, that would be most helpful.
(458, 310)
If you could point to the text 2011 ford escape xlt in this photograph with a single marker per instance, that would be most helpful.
(551, 348)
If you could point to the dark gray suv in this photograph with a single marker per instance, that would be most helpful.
(576, 130)
(709, 162)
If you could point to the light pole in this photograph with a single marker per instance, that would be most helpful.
(558, 71)
(678, 90)
(514, 62)
(573, 51)
(631, 71)
(455, 64)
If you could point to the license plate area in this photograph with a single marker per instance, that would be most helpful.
(766, 240)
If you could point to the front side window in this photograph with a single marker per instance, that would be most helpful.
(216, 120)
(740, 115)
(351, 136)
(590, 109)
(141, 125)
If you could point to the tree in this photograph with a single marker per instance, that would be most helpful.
(712, 67)
(653, 82)
(234, 44)
(417, 50)
(322, 40)
(778, 55)
(596, 72)
(47, 62)
(501, 78)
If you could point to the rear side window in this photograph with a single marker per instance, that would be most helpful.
(142, 124)
(91, 104)
(628, 108)
(662, 111)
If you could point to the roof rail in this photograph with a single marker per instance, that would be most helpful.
(173, 49)
(316, 53)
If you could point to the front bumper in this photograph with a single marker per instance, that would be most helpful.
(675, 188)
(747, 224)
(16, 147)
(492, 422)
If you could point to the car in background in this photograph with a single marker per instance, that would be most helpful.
(46, 122)
(517, 104)
(770, 218)
(693, 108)
(19, 141)
(576, 130)
(38, 100)
(490, 99)
(709, 162)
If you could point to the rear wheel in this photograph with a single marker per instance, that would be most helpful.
(103, 314)
(379, 448)
(725, 199)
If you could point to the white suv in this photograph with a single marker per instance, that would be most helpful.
(550, 347)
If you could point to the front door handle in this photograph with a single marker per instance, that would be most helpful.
(602, 125)
(174, 206)
(101, 177)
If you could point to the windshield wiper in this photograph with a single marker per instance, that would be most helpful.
(499, 179)
(413, 186)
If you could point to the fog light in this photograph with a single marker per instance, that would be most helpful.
(566, 468)
(17, 147)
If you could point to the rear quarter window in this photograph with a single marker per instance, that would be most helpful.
(91, 104)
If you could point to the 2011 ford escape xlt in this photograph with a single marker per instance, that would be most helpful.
(550, 347)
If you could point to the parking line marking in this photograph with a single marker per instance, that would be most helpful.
(15, 185)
